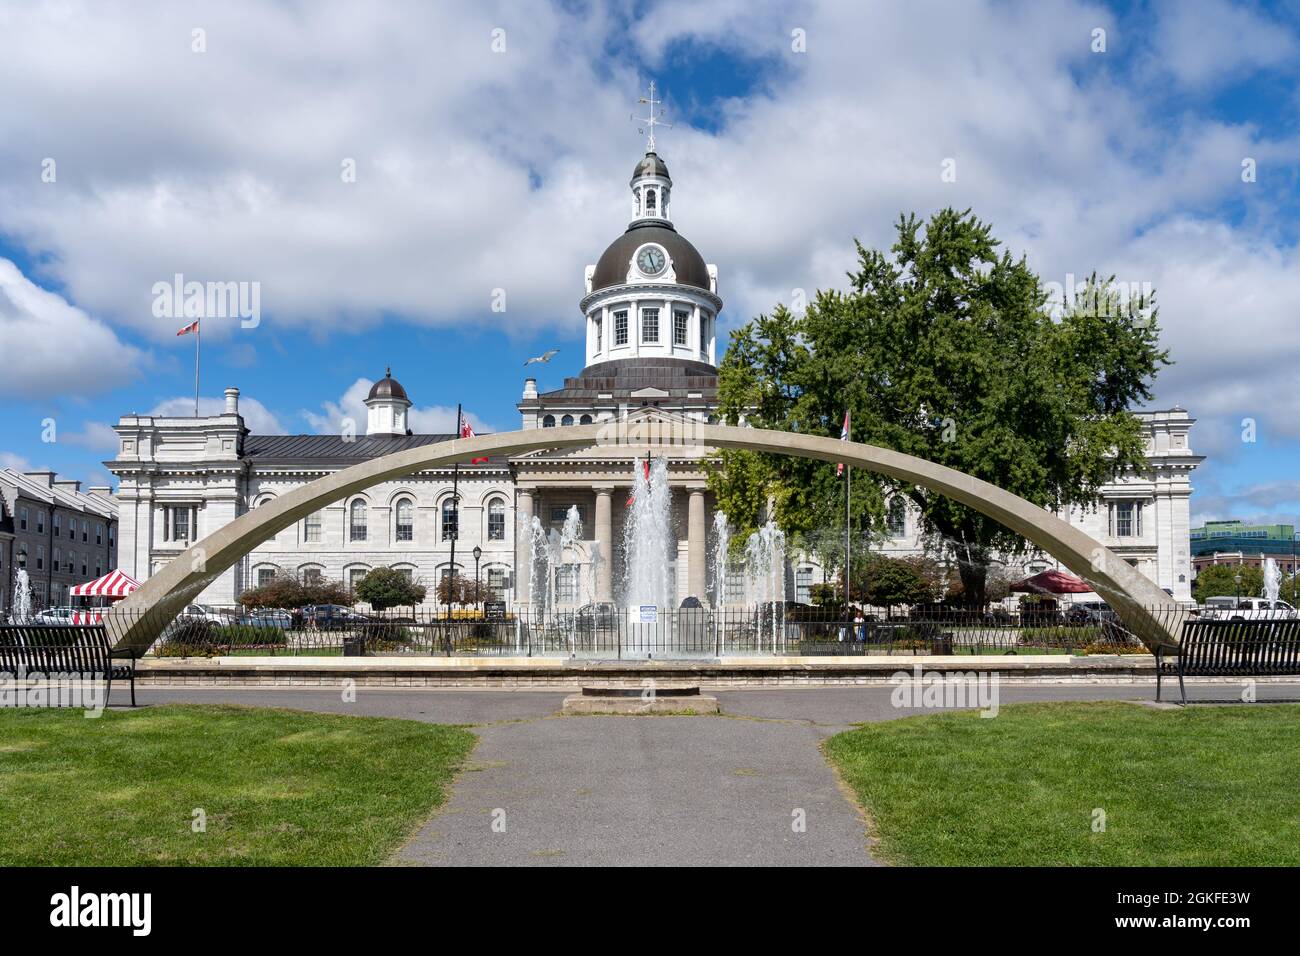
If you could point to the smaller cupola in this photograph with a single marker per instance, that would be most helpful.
(386, 407)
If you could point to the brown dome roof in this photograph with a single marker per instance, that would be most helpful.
(387, 387)
(611, 268)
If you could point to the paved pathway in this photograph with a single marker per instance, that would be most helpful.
(648, 790)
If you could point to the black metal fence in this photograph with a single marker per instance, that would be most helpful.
(605, 632)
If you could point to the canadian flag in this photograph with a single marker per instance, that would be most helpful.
(192, 327)
(632, 497)
(467, 431)
(844, 436)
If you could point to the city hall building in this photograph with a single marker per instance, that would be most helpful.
(650, 305)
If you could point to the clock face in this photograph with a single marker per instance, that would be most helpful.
(651, 260)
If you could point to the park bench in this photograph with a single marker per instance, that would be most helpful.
(77, 649)
(1231, 649)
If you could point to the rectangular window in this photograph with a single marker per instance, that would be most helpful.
(58, 559)
(450, 522)
(180, 524)
(1126, 519)
(40, 557)
(649, 325)
(311, 528)
(40, 522)
(85, 532)
(620, 328)
(566, 583)
(704, 332)
(58, 525)
(496, 524)
(496, 582)
(735, 586)
(99, 532)
(22, 518)
(560, 513)
(681, 324)
(265, 576)
(803, 585)
(311, 576)
(354, 577)
(600, 329)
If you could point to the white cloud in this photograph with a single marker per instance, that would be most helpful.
(258, 419)
(97, 436)
(49, 343)
(422, 420)
(17, 462)
(478, 170)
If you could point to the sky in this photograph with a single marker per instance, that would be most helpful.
(421, 186)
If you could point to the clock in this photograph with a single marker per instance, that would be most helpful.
(651, 260)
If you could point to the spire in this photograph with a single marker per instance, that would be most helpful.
(648, 123)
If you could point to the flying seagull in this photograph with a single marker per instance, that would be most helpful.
(544, 357)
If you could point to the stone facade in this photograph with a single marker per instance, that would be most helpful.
(62, 535)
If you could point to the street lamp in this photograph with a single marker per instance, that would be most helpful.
(1237, 578)
(478, 597)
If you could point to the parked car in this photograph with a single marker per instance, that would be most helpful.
(206, 612)
(329, 617)
(1247, 609)
(55, 616)
(269, 618)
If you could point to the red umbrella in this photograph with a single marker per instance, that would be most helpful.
(1052, 582)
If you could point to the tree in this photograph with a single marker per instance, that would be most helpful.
(944, 349)
(383, 588)
(1219, 580)
(883, 581)
(284, 590)
(466, 591)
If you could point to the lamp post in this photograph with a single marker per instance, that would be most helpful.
(478, 597)
(1237, 579)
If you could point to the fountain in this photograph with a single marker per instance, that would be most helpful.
(21, 612)
(647, 538)
(765, 577)
(721, 545)
(1272, 580)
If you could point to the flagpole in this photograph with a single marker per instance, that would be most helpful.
(848, 494)
(455, 510)
(197, 333)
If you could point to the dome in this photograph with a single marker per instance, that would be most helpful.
(387, 388)
(650, 165)
(614, 262)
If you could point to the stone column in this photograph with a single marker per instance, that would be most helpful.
(523, 531)
(697, 545)
(605, 539)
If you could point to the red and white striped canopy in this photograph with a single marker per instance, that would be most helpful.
(113, 584)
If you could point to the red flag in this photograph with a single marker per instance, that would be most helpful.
(844, 436)
(467, 431)
(192, 327)
(632, 497)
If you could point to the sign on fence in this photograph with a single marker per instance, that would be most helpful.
(494, 610)
(649, 614)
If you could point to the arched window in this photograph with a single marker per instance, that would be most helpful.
(357, 521)
(566, 420)
(649, 202)
(496, 520)
(449, 520)
(585, 420)
(897, 518)
(548, 421)
(405, 520)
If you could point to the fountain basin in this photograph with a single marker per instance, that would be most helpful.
(676, 699)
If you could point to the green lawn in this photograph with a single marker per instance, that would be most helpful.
(1203, 786)
(278, 787)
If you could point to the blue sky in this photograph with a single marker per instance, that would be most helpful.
(492, 144)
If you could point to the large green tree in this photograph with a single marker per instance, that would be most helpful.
(943, 347)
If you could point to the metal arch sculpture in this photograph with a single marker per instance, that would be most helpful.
(1146, 610)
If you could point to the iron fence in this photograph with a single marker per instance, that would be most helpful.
(606, 632)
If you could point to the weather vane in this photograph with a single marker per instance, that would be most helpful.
(648, 123)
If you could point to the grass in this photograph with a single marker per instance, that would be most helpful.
(279, 788)
(1202, 786)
